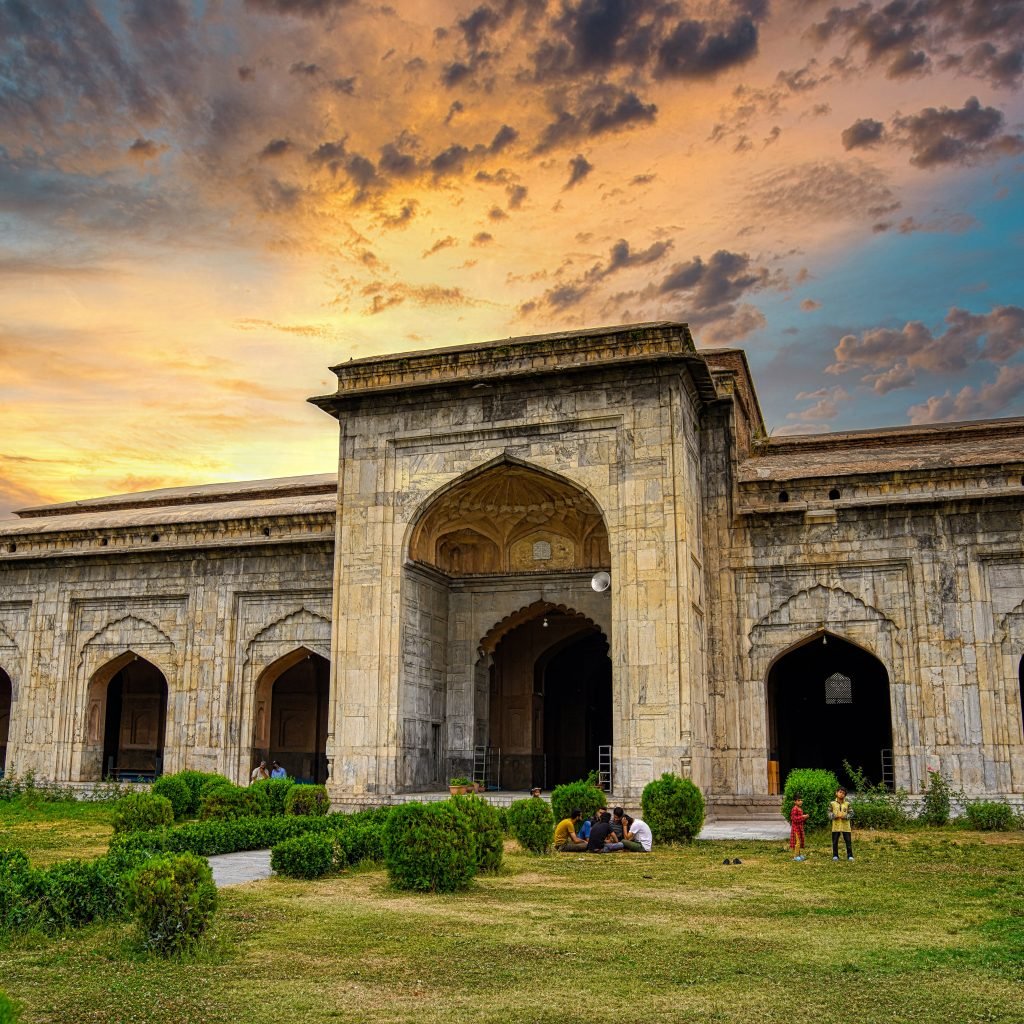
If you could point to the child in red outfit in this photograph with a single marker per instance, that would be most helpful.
(796, 827)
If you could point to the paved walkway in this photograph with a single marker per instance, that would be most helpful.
(253, 865)
(237, 868)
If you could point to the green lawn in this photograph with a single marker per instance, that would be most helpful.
(56, 831)
(924, 927)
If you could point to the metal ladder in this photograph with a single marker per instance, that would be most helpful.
(888, 772)
(487, 767)
(604, 767)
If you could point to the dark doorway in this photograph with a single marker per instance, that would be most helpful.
(828, 701)
(6, 691)
(576, 681)
(136, 720)
(298, 719)
(1020, 679)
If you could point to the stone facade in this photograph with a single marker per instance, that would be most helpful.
(479, 489)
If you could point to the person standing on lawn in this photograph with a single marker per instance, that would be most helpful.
(259, 773)
(797, 817)
(840, 813)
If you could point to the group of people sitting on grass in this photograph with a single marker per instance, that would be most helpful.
(603, 833)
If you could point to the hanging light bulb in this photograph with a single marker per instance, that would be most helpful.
(545, 623)
(824, 640)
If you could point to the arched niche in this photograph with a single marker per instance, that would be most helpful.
(126, 720)
(828, 702)
(6, 698)
(510, 517)
(290, 715)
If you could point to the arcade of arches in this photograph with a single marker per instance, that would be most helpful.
(550, 700)
(828, 702)
(291, 715)
(6, 692)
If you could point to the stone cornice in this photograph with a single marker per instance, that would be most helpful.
(541, 355)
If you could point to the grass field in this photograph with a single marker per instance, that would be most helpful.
(923, 927)
(48, 832)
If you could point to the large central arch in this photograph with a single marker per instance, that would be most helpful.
(6, 694)
(497, 544)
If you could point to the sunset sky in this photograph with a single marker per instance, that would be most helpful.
(204, 205)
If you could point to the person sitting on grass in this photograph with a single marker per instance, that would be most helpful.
(602, 838)
(638, 838)
(566, 839)
(617, 826)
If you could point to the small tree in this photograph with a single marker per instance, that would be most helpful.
(935, 809)
(818, 788)
(673, 808)
(532, 824)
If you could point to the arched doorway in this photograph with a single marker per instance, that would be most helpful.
(828, 701)
(134, 720)
(6, 692)
(550, 700)
(1020, 680)
(291, 715)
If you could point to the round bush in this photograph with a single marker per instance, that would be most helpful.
(533, 824)
(277, 791)
(196, 781)
(19, 889)
(8, 1011)
(173, 899)
(429, 848)
(483, 821)
(177, 791)
(583, 795)
(818, 789)
(673, 808)
(141, 812)
(990, 816)
(303, 799)
(222, 802)
(306, 856)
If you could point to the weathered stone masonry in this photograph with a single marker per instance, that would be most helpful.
(479, 489)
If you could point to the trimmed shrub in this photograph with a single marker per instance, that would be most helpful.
(506, 828)
(874, 806)
(306, 856)
(177, 791)
(173, 899)
(818, 788)
(990, 816)
(19, 888)
(8, 1010)
(142, 811)
(533, 824)
(361, 836)
(226, 802)
(582, 794)
(307, 800)
(276, 790)
(673, 808)
(488, 843)
(935, 809)
(429, 848)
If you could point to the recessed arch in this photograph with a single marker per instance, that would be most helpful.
(1020, 691)
(126, 720)
(550, 700)
(291, 714)
(828, 701)
(6, 699)
(509, 516)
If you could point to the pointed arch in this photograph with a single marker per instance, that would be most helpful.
(125, 724)
(291, 714)
(6, 700)
(499, 630)
(821, 604)
(509, 516)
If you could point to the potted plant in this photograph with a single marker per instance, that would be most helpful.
(459, 785)
(479, 787)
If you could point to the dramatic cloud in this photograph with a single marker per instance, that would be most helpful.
(893, 357)
(984, 38)
(970, 402)
(601, 109)
(944, 136)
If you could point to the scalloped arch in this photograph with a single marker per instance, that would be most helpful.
(292, 617)
(1003, 629)
(504, 626)
(824, 612)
